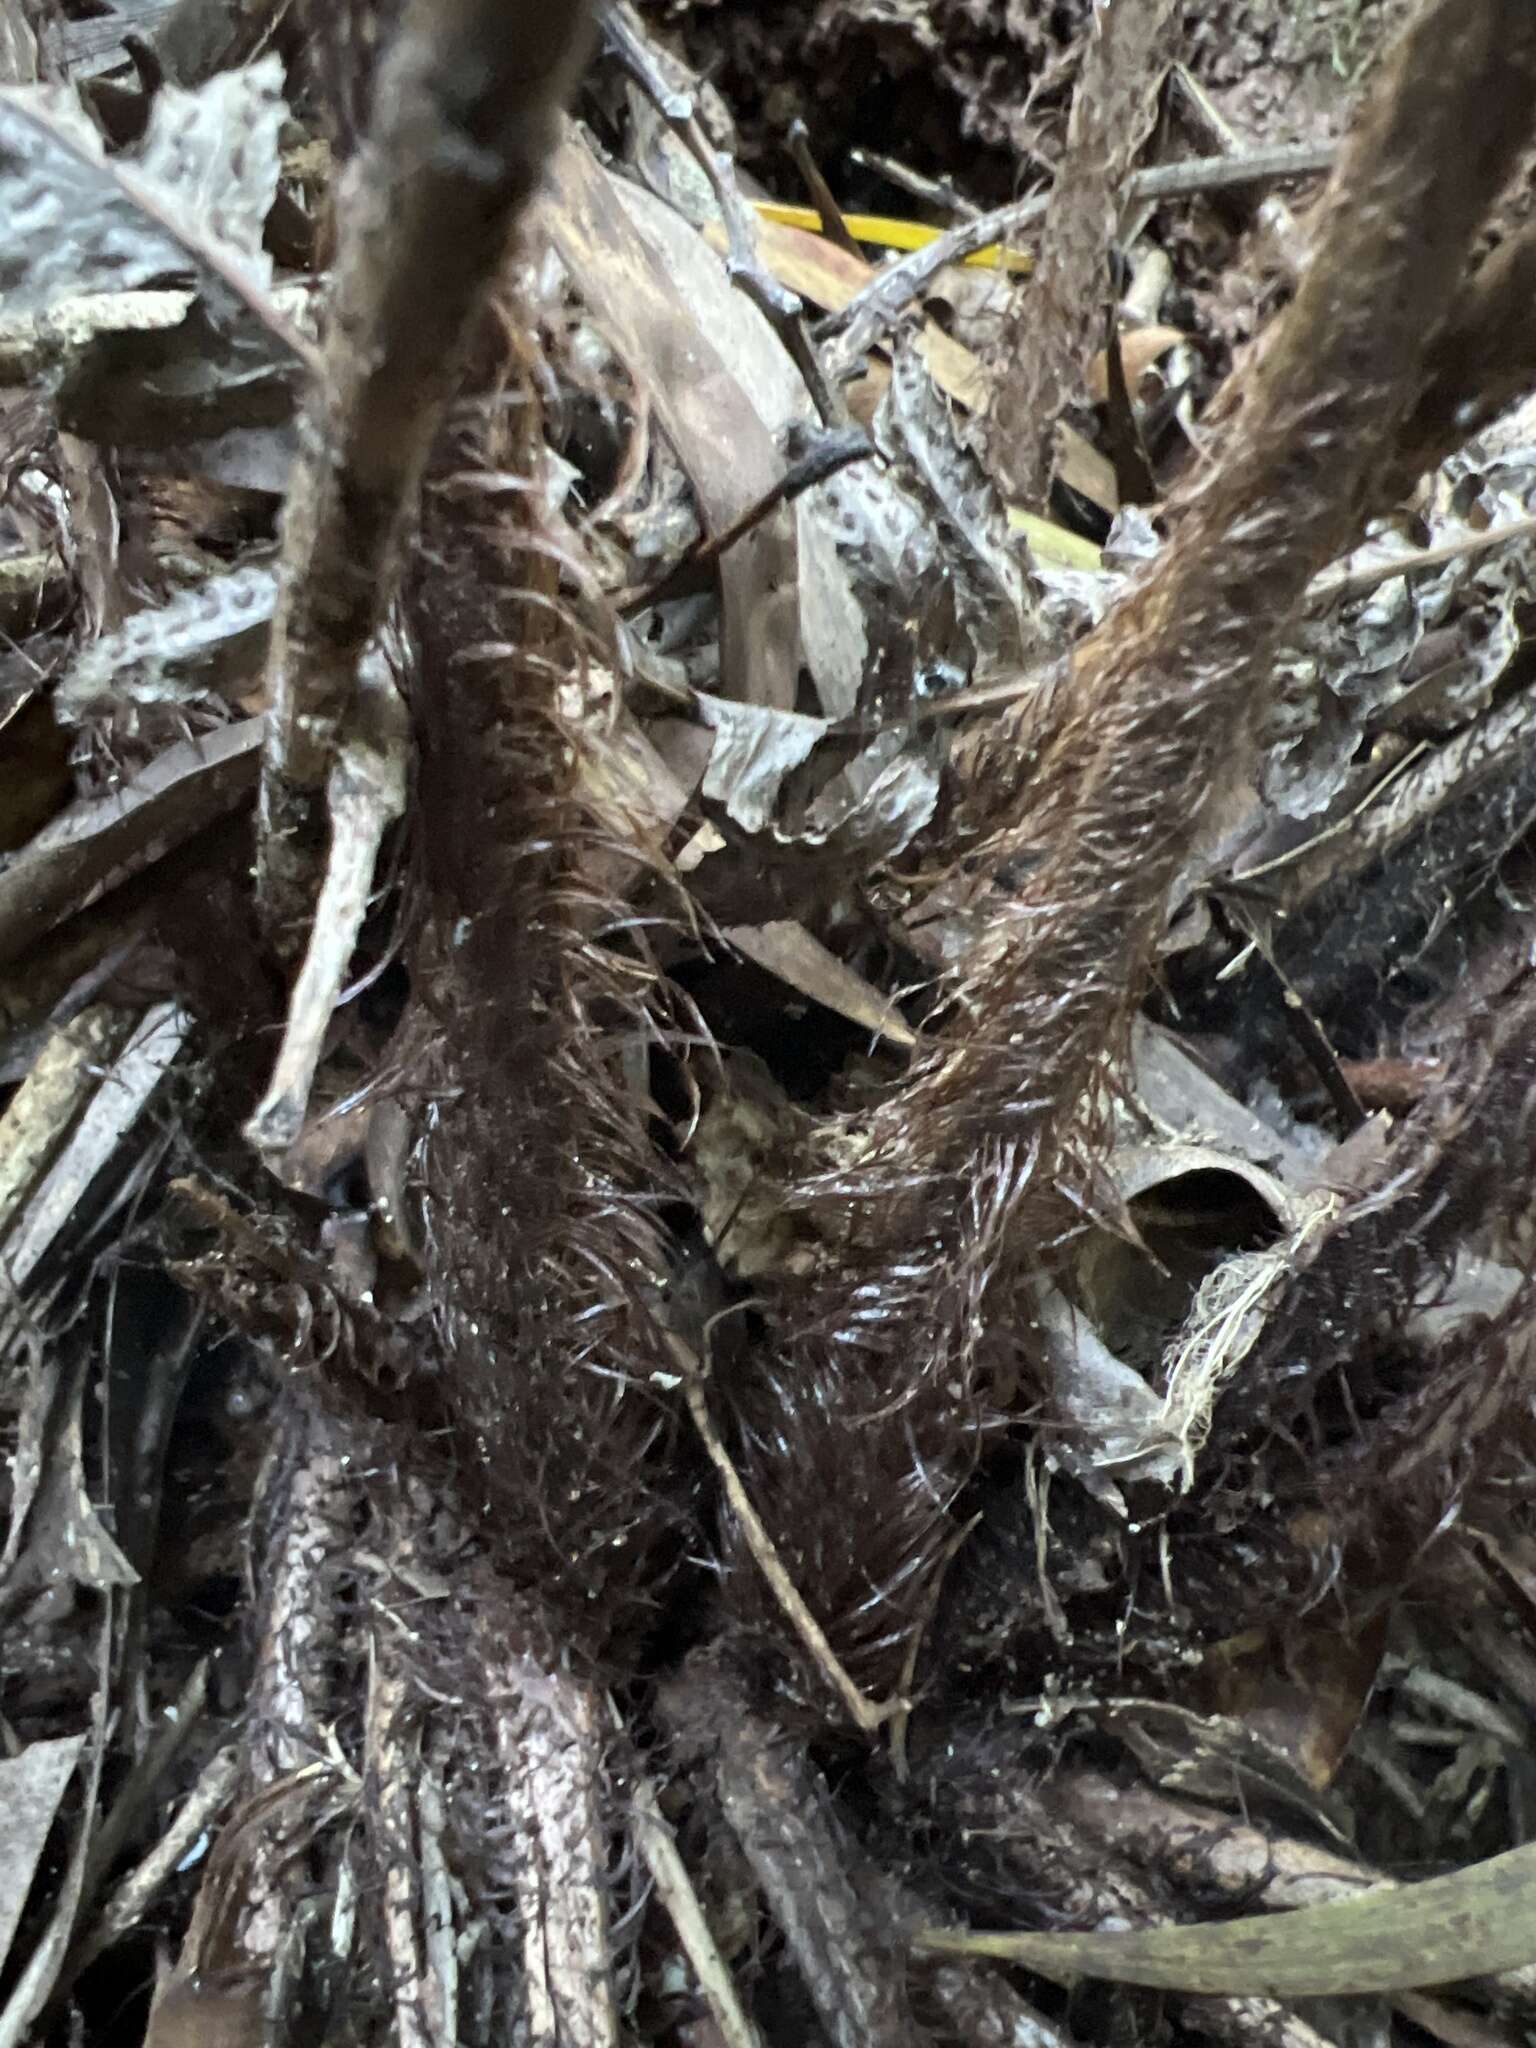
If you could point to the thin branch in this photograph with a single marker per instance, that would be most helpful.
(137, 1892)
(867, 1715)
(1337, 585)
(833, 226)
(1117, 753)
(366, 794)
(675, 1888)
(875, 309)
(1210, 130)
(823, 459)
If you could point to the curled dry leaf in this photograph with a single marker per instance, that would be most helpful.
(1168, 1300)
(1141, 349)
(756, 747)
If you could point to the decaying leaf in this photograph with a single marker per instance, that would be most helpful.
(34, 1981)
(31, 1787)
(756, 747)
(96, 844)
(1391, 1938)
(968, 521)
(789, 951)
(1419, 652)
(831, 628)
(145, 1050)
(1140, 349)
(711, 421)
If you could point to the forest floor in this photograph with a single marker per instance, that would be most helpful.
(767, 1023)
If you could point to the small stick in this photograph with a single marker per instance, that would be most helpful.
(365, 794)
(870, 312)
(138, 1890)
(1336, 584)
(1315, 1045)
(902, 1719)
(867, 1714)
(466, 112)
(1212, 134)
(833, 226)
(824, 458)
(932, 191)
(675, 1887)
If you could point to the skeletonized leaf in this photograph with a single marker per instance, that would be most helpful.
(205, 637)
(201, 187)
(1474, 1923)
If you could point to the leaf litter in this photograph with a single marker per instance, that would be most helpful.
(766, 1017)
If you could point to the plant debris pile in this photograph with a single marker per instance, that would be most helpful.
(767, 830)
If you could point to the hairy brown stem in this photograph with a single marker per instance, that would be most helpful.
(778, 1810)
(1482, 361)
(467, 106)
(948, 1195)
(1117, 760)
